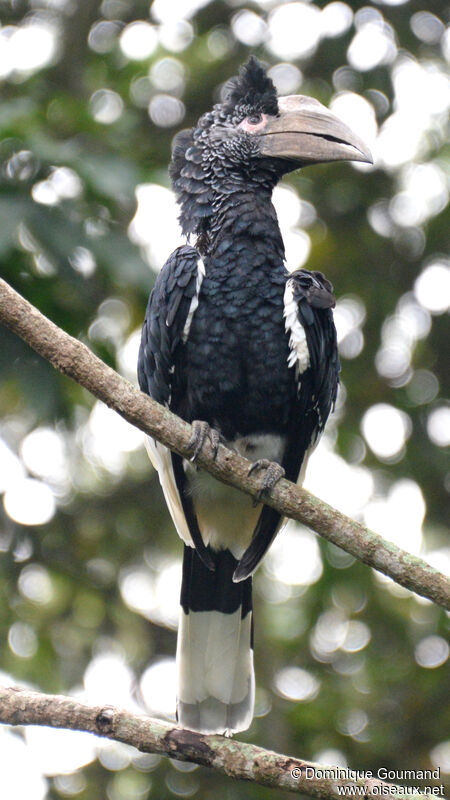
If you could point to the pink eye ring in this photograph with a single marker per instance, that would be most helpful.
(253, 123)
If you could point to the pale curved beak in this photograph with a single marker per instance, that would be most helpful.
(308, 133)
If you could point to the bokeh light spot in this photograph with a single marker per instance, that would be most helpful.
(249, 28)
(58, 752)
(11, 469)
(440, 757)
(29, 502)
(352, 723)
(432, 287)
(158, 686)
(294, 557)
(166, 111)
(155, 223)
(336, 18)
(385, 430)
(431, 652)
(294, 30)
(36, 585)
(27, 48)
(109, 679)
(22, 775)
(22, 640)
(138, 40)
(296, 684)
(106, 106)
(438, 426)
(399, 516)
(44, 453)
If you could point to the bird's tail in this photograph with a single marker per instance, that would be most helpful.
(216, 684)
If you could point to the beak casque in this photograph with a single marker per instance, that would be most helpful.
(306, 132)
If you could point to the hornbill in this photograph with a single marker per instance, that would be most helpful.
(246, 351)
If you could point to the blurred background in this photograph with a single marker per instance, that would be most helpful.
(351, 669)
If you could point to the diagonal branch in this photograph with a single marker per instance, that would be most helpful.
(76, 360)
(238, 760)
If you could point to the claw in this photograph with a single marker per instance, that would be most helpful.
(273, 473)
(215, 438)
(198, 436)
(200, 431)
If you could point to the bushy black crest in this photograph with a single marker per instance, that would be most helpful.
(252, 87)
(251, 91)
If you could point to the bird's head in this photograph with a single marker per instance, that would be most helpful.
(253, 138)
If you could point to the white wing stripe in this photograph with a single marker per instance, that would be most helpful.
(299, 353)
(194, 301)
(161, 459)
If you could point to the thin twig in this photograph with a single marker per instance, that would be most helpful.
(76, 360)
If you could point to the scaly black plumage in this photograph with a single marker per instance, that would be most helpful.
(234, 340)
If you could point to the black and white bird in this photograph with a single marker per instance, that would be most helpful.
(246, 351)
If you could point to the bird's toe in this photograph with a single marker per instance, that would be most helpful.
(273, 472)
(201, 430)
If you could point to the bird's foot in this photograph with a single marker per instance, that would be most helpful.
(201, 430)
(273, 473)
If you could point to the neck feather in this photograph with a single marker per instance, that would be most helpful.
(216, 198)
(245, 213)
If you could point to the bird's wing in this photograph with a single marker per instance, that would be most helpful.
(313, 354)
(308, 304)
(170, 310)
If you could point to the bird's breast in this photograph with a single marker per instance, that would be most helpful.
(236, 357)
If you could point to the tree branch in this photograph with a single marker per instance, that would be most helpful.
(75, 360)
(238, 760)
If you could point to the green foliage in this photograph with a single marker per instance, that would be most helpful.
(65, 245)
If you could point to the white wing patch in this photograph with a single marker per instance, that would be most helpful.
(161, 458)
(299, 353)
(194, 301)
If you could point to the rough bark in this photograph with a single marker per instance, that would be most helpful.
(238, 760)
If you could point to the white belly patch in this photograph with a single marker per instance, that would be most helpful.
(227, 516)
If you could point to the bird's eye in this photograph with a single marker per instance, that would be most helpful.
(254, 119)
(254, 123)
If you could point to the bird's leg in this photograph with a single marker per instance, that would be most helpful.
(273, 473)
(200, 431)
